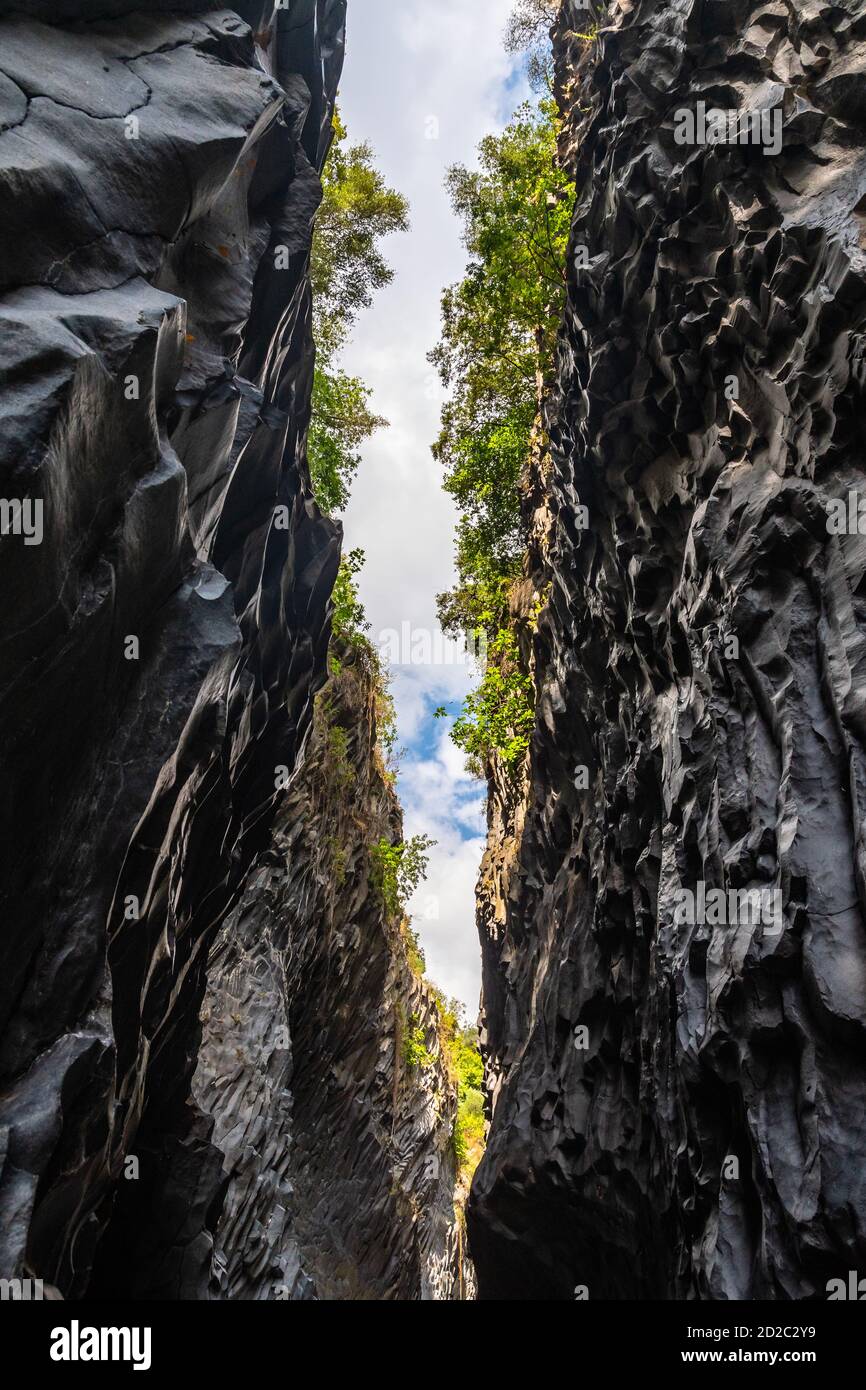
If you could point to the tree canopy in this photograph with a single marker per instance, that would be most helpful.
(527, 33)
(347, 267)
(499, 328)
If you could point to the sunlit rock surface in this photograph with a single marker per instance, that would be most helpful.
(161, 646)
(701, 653)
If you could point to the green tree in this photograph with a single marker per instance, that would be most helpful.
(350, 619)
(499, 329)
(347, 267)
(397, 870)
(499, 326)
(528, 34)
(342, 420)
(498, 715)
(415, 1053)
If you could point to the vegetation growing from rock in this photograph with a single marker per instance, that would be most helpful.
(499, 327)
(463, 1059)
(397, 870)
(415, 1053)
(498, 714)
(350, 619)
(528, 35)
(347, 267)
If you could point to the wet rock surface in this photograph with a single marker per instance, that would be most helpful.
(161, 646)
(700, 654)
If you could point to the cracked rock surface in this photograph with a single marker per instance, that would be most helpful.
(739, 764)
(161, 647)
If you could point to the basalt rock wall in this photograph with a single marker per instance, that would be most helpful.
(166, 618)
(351, 1186)
(678, 1097)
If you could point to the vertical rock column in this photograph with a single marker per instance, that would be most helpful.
(679, 1093)
(337, 1135)
(163, 637)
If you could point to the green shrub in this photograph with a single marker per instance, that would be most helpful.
(463, 1060)
(339, 861)
(499, 330)
(350, 620)
(415, 1053)
(498, 716)
(397, 870)
(414, 950)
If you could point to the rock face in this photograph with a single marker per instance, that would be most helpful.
(168, 581)
(360, 1200)
(678, 1096)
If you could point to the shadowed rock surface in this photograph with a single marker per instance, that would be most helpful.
(160, 652)
(361, 1198)
(737, 763)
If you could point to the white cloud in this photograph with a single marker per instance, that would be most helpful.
(442, 801)
(414, 69)
(418, 690)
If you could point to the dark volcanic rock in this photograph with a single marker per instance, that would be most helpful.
(164, 636)
(339, 1149)
(700, 655)
(157, 371)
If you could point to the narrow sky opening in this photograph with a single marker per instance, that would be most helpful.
(423, 84)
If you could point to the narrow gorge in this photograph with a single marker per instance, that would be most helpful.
(678, 1104)
(224, 1074)
(202, 1019)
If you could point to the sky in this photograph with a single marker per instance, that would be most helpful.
(423, 83)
